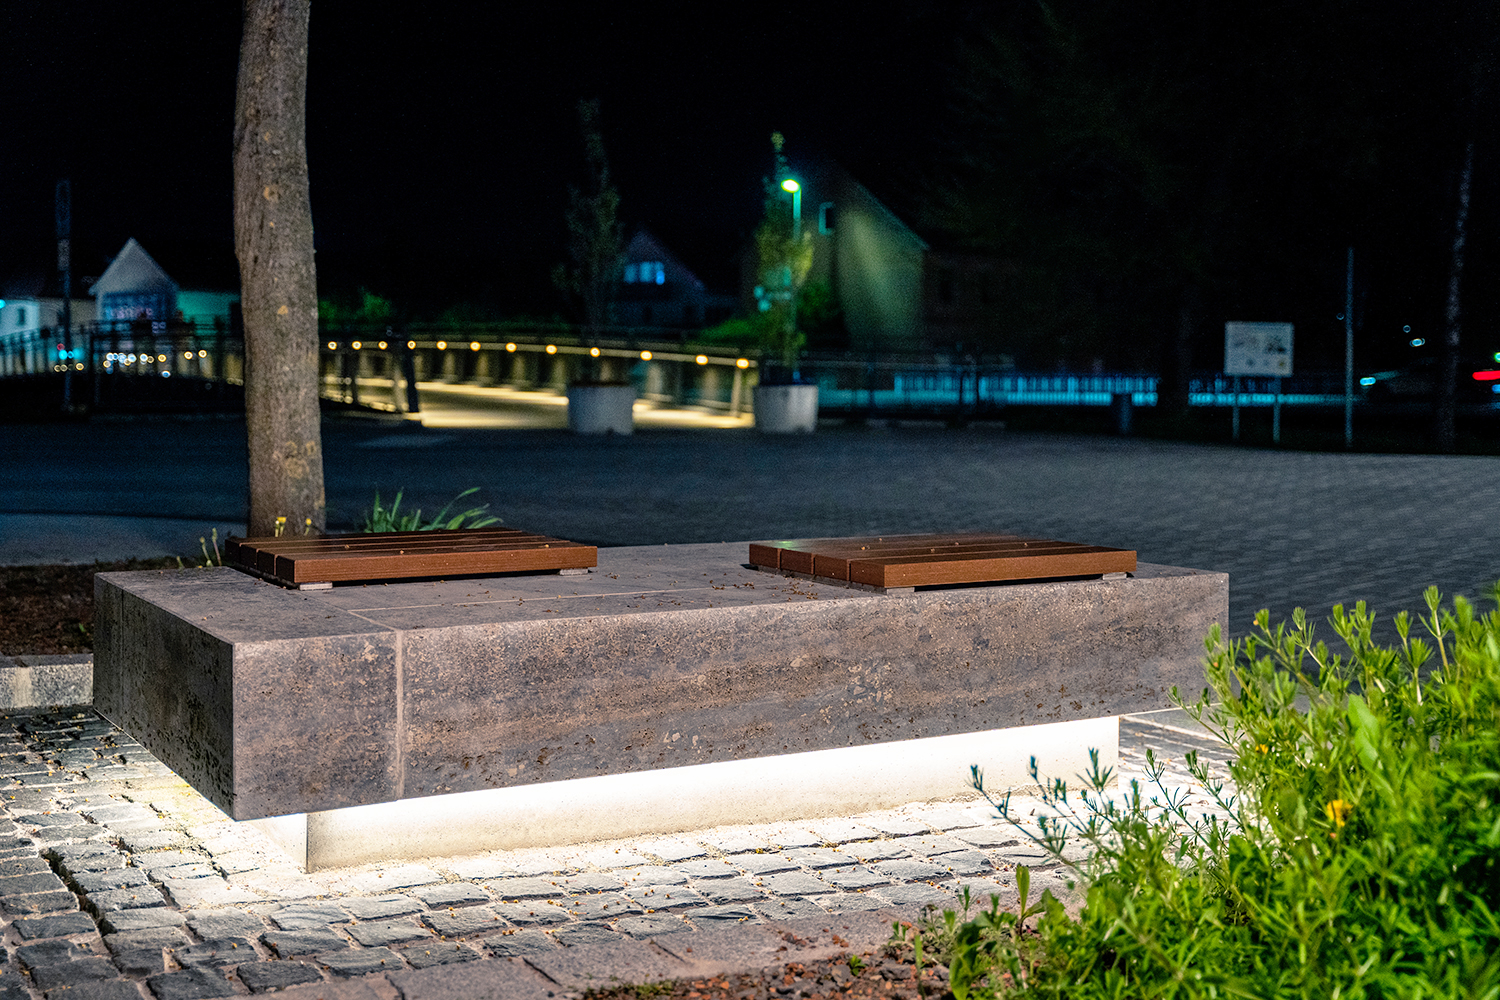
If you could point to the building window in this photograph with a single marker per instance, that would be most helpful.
(825, 218)
(647, 272)
(21, 316)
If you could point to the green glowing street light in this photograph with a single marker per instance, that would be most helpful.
(795, 190)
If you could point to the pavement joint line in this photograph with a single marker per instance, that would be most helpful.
(229, 916)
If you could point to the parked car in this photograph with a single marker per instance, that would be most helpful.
(1478, 382)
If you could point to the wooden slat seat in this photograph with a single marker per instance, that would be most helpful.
(300, 561)
(901, 561)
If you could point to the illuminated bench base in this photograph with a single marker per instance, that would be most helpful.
(276, 702)
(838, 782)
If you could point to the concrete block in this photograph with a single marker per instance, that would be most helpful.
(41, 681)
(276, 703)
(601, 409)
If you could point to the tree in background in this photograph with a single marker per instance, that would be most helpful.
(1480, 34)
(595, 237)
(372, 311)
(278, 280)
(1142, 177)
(784, 257)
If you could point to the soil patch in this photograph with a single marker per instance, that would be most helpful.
(50, 609)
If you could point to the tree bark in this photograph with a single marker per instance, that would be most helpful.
(273, 238)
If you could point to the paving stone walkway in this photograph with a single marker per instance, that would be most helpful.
(117, 880)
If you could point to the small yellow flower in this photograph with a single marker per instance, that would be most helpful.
(1262, 748)
(1337, 811)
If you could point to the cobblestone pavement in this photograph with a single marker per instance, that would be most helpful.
(117, 880)
(1291, 528)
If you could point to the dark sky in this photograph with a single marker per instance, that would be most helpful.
(442, 138)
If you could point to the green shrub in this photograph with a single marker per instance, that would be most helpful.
(1358, 859)
(381, 518)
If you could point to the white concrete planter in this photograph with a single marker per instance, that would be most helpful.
(601, 409)
(786, 409)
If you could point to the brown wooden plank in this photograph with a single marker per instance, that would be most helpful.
(403, 555)
(767, 554)
(410, 547)
(982, 568)
(801, 555)
(936, 559)
(391, 566)
(834, 563)
(289, 544)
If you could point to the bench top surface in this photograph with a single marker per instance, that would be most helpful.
(633, 580)
(939, 559)
(404, 555)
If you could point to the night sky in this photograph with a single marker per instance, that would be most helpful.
(441, 144)
(442, 138)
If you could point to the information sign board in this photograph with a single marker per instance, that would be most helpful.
(1258, 349)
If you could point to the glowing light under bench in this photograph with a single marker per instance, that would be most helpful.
(838, 782)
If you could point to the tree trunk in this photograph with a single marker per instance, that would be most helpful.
(1444, 431)
(273, 238)
(1172, 389)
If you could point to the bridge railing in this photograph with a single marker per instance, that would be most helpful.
(372, 365)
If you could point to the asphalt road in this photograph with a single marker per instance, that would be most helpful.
(1291, 529)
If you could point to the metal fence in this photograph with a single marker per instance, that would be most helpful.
(666, 365)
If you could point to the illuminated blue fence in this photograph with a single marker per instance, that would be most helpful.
(851, 387)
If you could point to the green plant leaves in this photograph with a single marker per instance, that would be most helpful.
(381, 519)
(1358, 857)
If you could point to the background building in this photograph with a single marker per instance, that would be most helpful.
(657, 289)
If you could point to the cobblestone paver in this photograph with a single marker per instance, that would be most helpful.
(117, 880)
(1290, 528)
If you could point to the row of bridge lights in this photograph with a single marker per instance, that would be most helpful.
(474, 345)
(110, 360)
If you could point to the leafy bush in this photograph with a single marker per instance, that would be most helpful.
(382, 518)
(1359, 858)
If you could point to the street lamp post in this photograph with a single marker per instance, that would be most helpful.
(791, 185)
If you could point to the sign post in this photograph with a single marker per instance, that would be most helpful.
(63, 211)
(1258, 349)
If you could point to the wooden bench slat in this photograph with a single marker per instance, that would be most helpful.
(771, 554)
(404, 555)
(413, 546)
(391, 539)
(1084, 561)
(835, 564)
(939, 559)
(434, 564)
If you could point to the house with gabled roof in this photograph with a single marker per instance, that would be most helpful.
(872, 262)
(134, 286)
(658, 289)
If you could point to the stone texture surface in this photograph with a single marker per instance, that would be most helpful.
(273, 702)
(262, 977)
(37, 681)
(585, 906)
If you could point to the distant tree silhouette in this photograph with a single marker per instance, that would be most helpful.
(278, 281)
(1140, 176)
(595, 238)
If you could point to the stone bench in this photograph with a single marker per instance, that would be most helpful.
(671, 687)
